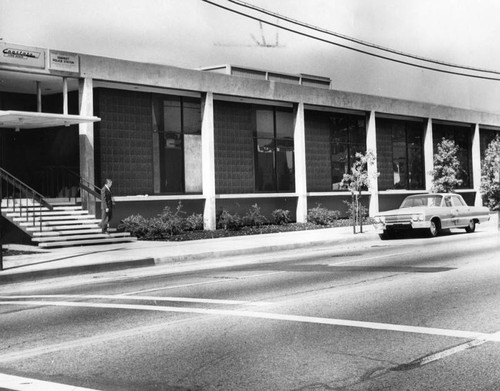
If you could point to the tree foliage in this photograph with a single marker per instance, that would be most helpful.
(490, 175)
(447, 169)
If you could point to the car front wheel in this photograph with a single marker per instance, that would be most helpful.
(434, 229)
(471, 227)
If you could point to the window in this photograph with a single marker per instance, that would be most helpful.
(462, 137)
(177, 124)
(348, 137)
(457, 201)
(486, 136)
(274, 150)
(400, 154)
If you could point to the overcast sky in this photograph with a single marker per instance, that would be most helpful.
(193, 34)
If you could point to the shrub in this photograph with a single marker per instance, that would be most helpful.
(322, 216)
(194, 222)
(165, 224)
(281, 216)
(169, 222)
(254, 217)
(229, 221)
(352, 210)
(137, 225)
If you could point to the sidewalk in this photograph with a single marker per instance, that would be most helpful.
(92, 259)
(198, 254)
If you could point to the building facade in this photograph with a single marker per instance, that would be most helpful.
(217, 138)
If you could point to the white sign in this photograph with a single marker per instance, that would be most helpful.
(24, 56)
(67, 62)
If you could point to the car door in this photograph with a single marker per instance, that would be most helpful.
(462, 210)
(449, 216)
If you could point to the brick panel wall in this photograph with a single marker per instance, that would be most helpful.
(318, 159)
(234, 148)
(123, 141)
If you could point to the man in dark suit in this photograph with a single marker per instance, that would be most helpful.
(106, 205)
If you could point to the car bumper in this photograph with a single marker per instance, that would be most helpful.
(381, 227)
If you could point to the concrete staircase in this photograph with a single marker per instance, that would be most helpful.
(67, 224)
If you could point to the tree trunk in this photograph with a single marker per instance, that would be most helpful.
(360, 215)
(353, 213)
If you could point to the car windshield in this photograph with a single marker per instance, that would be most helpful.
(422, 200)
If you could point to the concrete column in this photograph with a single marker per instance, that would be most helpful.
(299, 140)
(208, 160)
(86, 132)
(428, 155)
(371, 145)
(476, 166)
(65, 95)
(38, 97)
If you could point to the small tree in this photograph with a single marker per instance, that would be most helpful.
(446, 173)
(357, 181)
(490, 175)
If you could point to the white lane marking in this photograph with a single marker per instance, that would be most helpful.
(25, 384)
(201, 283)
(150, 298)
(271, 316)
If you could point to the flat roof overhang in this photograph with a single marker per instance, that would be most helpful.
(35, 120)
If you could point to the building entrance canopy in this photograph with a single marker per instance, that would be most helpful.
(34, 120)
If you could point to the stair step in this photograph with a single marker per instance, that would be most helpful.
(61, 227)
(19, 202)
(62, 222)
(10, 209)
(67, 207)
(81, 237)
(36, 212)
(51, 219)
(56, 232)
(107, 240)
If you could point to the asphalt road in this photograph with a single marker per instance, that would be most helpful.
(407, 314)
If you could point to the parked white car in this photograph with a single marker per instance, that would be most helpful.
(431, 212)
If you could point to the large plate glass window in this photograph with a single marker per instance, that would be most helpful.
(462, 137)
(177, 143)
(400, 154)
(274, 150)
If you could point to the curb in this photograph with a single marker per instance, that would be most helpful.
(263, 249)
(32, 275)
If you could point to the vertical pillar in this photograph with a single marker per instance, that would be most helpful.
(371, 145)
(86, 135)
(428, 155)
(299, 140)
(38, 97)
(476, 165)
(65, 95)
(208, 160)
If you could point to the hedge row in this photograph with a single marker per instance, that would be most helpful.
(174, 222)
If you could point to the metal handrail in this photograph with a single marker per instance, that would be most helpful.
(84, 184)
(25, 193)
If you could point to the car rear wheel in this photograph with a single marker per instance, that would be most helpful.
(434, 229)
(471, 227)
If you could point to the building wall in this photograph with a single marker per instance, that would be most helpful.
(234, 149)
(123, 141)
(318, 154)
